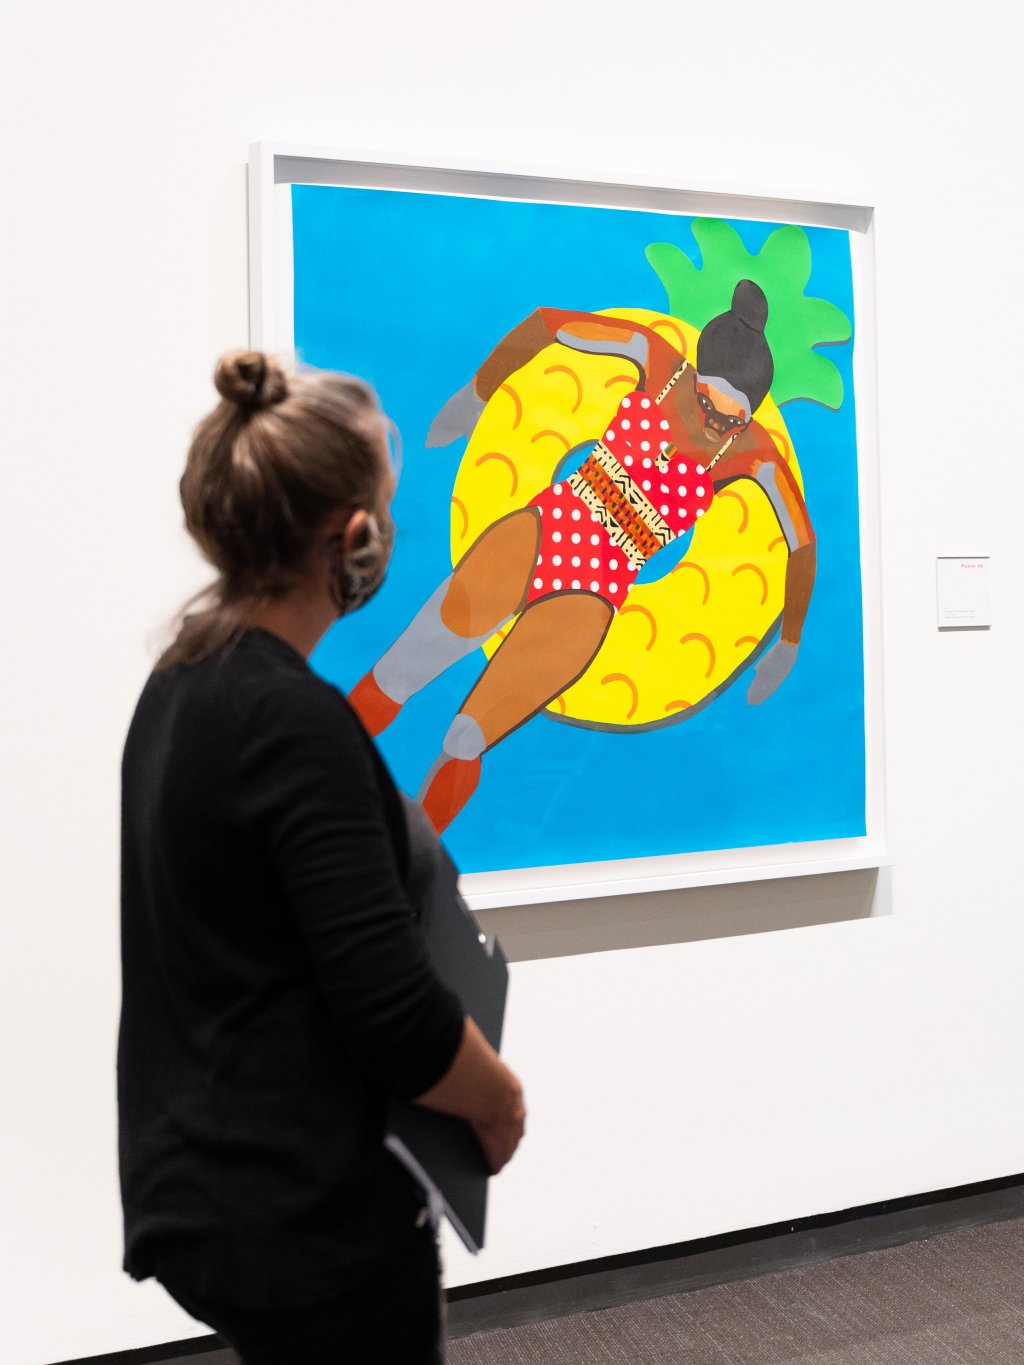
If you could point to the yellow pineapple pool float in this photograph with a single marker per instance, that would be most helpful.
(678, 640)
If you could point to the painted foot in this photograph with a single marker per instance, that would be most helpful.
(372, 705)
(447, 790)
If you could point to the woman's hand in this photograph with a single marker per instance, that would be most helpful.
(478, 1086)
(499, 1139)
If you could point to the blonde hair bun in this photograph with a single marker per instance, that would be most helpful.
(250, 379)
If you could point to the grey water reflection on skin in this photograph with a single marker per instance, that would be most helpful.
(425, 650)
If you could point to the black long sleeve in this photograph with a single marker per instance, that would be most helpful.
(276, 990)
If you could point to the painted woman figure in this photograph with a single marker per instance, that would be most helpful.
(564, 564)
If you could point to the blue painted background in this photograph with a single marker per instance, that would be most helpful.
(412, 292)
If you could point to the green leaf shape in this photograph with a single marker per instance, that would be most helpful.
(797, 325)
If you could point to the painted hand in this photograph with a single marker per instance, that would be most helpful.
(457, 418)
(771, 671)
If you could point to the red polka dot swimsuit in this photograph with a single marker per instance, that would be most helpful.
(632, 495)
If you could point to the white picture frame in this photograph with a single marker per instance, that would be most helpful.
(274, 168)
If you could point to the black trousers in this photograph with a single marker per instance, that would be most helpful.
(388, 1316)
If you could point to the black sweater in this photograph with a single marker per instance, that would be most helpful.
(276, 990)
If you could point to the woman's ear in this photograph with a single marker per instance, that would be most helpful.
(348, 526)
(357, 531)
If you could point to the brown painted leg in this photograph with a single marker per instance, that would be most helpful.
(487, 587)
(490, 581)
(547, 649)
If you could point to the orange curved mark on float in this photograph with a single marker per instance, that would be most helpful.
(746, 640)
(781, 443)
(689, 564)
(779, 540)
(653, 623)
(678, 705)
(745, 515)
(559, 701)
(629, 379)
(702, 639)
(666, 325)
(623, 678)
(457, 502)
(752, 568)
(556, 434)
(497, 455)
(507, 388)
(564, 369)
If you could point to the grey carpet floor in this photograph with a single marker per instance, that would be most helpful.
(957, 1299)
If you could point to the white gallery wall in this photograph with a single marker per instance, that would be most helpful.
(676, 1090)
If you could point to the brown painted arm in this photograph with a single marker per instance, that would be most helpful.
(654, 358)
(758, 460)
(592, 333)
(800, 573)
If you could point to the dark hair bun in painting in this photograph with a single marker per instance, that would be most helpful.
(750, 305)
(733, 346)
(250, 379)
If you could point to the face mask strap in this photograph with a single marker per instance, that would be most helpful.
(357, 575)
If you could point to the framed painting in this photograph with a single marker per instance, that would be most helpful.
(629, 636)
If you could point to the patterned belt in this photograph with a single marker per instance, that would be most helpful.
(633, 524)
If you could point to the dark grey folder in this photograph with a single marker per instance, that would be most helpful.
(440, 1151)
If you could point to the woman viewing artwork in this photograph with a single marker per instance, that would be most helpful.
(564, 564)
(276, 990)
